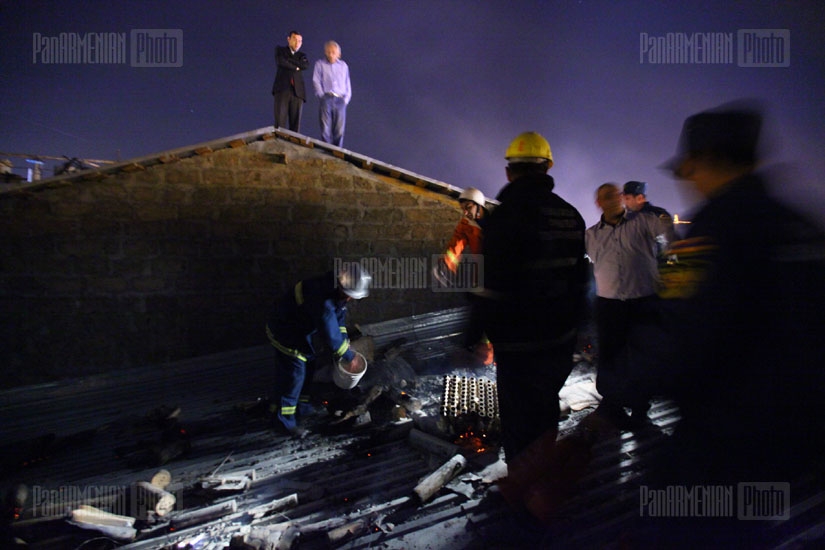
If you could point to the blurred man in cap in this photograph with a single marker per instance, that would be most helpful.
(744, 300)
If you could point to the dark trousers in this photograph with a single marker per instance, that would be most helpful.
(625, 331)
(528, 392)
(475, 328)
(333, 118)
(288, 108)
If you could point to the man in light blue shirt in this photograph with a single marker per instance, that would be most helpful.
(332, 87)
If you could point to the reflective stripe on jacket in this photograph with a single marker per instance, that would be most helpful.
(311, 307)
(467, 236)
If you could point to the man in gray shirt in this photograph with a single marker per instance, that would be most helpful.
(623, 247)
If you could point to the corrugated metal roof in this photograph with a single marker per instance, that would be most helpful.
(356, 480)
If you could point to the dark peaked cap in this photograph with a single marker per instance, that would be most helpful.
(635, 188)
(729, 133)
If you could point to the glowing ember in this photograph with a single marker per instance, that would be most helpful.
(472, 442)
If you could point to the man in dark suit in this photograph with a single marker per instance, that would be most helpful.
(288, 88)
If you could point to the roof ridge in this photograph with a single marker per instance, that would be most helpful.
(240, 140)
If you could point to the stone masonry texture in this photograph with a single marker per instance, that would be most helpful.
(184, 259)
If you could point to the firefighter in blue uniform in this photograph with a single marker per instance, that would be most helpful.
(315, 306)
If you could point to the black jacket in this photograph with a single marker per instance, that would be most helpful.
(535, 271)
(744, 300)
(290, 74)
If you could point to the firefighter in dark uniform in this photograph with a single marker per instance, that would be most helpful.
(744, 301)
(315, 306)
(535, 280)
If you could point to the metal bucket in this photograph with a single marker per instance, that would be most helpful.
(347, 378)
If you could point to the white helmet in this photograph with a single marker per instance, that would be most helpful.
(355, 281)
(472, 194)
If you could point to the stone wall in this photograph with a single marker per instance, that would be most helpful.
(182, 259)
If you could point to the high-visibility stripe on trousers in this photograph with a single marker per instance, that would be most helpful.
(290, 373)
(289, 380)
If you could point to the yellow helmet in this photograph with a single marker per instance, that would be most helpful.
(529, 147)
